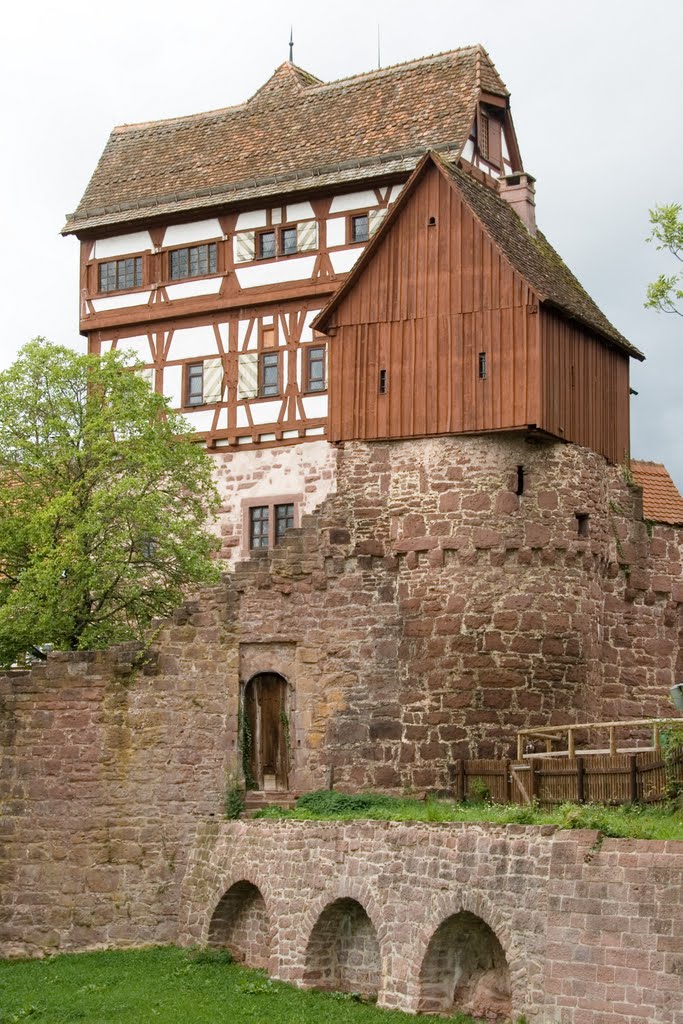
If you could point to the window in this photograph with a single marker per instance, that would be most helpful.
(482, 366)
(288, 243)
(116, 275)
(519, 489)
(284, 520)
(383, 382)
(195, 384)
(194, 261)
(269, 374)
(315, 369)
(265, 525)
(266, 245)
(582, 524)
(258, 526)
(360, 228)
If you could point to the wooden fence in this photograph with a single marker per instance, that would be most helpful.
(604, 779)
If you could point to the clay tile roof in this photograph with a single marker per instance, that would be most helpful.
(294, 130)
(662, 502)
(535, 259)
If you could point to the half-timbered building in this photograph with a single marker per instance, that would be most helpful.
(211, 244)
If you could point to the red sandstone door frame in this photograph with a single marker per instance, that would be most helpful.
(266, 714)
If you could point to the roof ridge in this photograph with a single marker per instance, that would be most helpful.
(315, 83)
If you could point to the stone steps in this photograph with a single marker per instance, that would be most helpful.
(256, 800)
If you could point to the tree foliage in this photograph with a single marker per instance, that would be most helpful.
(666, 292)
(104, 503)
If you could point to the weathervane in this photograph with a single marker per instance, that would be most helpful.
(291, 44)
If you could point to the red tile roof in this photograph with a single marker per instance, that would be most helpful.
(662, 502)
(294, 133)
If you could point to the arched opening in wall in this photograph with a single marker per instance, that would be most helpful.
(343, 952)
(266, 735)
(465, 971)
(240, 923)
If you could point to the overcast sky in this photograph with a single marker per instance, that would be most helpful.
(596, 89)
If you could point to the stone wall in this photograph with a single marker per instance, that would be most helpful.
(425, 612)
(590, 931)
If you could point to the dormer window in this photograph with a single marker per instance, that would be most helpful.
(489, 138)
(193, 261)
(119, 275)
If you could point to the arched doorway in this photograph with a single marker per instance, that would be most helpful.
(266, 736)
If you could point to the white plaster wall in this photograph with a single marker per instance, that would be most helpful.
(198, 231)
(193, 341)
(121, 300)
(307, 469)
(315, 406)
(336, 231)
(291, 269)
(122, 245)
(139, 345)
(343, 259)
(251, 219)
(173, 385)
(200, 419)
(300, 211)
(206, 286)
(265, 412)
(353, 201)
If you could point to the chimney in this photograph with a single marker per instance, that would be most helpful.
(518, 190)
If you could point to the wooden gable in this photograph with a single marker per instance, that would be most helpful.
(434, 332)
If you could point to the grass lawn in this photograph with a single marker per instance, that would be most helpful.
(168, 985)
(629, 821)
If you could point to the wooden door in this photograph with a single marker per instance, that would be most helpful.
(265, 705)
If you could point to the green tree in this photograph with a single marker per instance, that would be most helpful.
(666, 292)
(104, 503)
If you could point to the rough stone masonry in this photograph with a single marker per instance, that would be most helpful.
(426, 611)
(590, 931)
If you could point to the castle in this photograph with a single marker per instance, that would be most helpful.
(415, 411)
(419, 421)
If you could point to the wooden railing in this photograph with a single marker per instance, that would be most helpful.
(643, 777)
(566, 734)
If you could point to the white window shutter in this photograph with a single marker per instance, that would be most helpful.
(375, 219)
(213, 380)
(244, 246)
(307, 235)
(247, 375)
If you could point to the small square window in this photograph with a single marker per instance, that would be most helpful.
(269, 375)
(195, 384)
(315, 375)
(360, 228)
(258, 526)
(288, 241)
(266, 245)
(284, 520)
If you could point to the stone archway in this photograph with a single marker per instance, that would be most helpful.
(342, 954)
(241, 924)
(465, 970)
(266, 717)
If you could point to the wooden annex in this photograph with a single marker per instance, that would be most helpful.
(442, 328)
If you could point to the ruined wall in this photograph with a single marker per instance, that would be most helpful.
(591, 931)
(425, 612)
